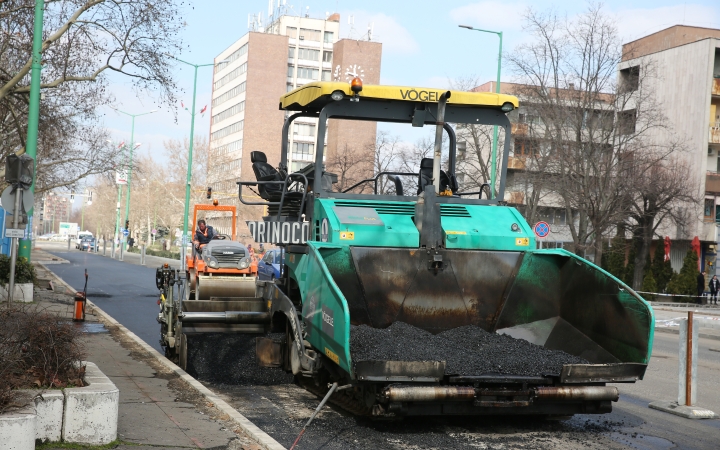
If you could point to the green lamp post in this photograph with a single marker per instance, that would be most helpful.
(493, 168)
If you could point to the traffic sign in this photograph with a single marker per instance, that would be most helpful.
(15, 232)
(125, 232)
(541, 229)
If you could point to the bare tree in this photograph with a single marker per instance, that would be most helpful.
(83, 42)
(593, 132)
(660, 187)
(348, 164)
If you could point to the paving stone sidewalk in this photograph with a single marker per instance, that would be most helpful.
(157, 408)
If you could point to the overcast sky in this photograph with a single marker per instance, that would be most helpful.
(422, 45)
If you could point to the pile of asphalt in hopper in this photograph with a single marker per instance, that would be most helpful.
(230, 359)
(467, 350)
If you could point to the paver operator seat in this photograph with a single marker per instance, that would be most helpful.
(447, 182)
(265, 172)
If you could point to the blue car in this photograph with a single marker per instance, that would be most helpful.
(269, 265)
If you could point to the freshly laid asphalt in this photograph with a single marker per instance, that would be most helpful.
(124, 290)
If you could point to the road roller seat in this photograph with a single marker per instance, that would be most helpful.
(265, 172)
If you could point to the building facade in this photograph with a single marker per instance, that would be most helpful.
(55, 209)
(687, 60)
(254, 72)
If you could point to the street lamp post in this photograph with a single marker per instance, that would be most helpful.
(133, 146)
(497, 90)
(189, 163)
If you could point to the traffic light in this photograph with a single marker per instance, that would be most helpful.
(209, 192)
(19, 170)
(72, 195)
(127, 224)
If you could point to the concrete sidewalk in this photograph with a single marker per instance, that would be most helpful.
(158, 409)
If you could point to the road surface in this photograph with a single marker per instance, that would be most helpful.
(127, 292)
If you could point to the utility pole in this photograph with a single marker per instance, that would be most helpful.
(183, 241)
(133, 146)
(33, 111)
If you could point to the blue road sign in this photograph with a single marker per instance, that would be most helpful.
(125, 232)
(541, 229)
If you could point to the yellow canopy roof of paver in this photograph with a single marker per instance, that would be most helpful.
(313, 96)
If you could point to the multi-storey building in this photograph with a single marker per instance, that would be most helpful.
(255, 71)
(55, 209)
(687, 90)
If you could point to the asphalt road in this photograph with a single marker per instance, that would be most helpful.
(127, 292)
(124, 290)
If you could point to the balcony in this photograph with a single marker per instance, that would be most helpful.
(712, 182)
(716, 86)
(519, 128)
(516, 162)
(714, 137)
(515, 198)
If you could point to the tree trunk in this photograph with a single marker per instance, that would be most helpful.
(642, 239)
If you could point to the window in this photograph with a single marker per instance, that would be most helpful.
(297, 166)
(235, 164)
(626, 122)
(232, 58)
(231, 76)
(291, 71)
(525, 147)
(629, 79)
(709, 207)
(234, 92)
(219, 117)
(326, 75)
(545, 215)
(328, 38)
(327, 56)
(291, 52)
(308, 73)
(304, 129)
(309, 35)
(290, 87)
(560, 217)
(291, 32)
(228, 148)
(308, 54)
(230, 129)
(303, 151)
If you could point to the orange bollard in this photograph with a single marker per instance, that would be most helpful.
(79, 314)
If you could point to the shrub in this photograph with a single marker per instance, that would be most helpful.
(661, 269)
(160, 253)
(649, 285)
(685, 282)
(37, 350)
(24, 270)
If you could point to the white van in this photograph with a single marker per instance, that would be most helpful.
(80, 235)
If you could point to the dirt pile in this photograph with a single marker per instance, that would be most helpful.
(467, 350)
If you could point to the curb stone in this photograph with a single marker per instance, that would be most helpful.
(264, 439)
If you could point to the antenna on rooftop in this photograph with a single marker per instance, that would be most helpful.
(307, 11)
(371, 25)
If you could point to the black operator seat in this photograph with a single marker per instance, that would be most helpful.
(265, 172)
(425, 177)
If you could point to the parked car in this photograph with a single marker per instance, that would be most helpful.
(46, 236)
(59, 237)
(80, 236)
(88, 242)
(269, 265)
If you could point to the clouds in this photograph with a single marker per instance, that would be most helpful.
(638, 22)
(395, 38)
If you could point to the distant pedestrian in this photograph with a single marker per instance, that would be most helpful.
(714, 288)
(700, 287)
